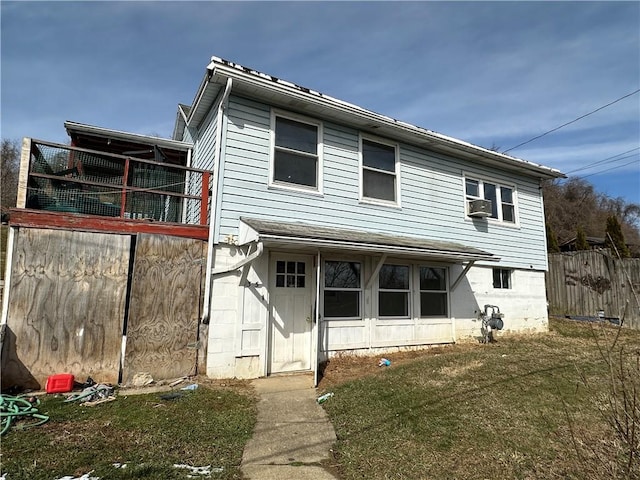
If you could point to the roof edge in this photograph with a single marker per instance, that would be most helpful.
(118, 134)
(225, 68)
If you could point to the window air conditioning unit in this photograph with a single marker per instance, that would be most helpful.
(480, 208)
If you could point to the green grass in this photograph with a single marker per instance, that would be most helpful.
(209, 426)
(499, 411)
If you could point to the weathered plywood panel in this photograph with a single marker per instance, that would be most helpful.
(164, 309)
(66, 306)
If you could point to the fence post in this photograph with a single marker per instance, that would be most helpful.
(125, 180)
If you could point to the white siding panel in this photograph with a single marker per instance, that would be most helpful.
(345, 337)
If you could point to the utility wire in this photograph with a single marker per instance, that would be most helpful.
(572, 121)
(612, 159)
(608, 169)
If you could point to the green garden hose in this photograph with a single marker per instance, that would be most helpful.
(13, 409)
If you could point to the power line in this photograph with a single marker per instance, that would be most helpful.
(572, 121)
(611, 159)
(608, 169)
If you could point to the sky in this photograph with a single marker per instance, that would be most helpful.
(495, 74)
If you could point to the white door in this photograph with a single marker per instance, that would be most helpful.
(291, 313)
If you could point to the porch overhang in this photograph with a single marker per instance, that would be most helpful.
(298, 235)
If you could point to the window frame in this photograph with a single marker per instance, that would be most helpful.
(360, 289)
(279, 184)
(396, 172)
(500, 203)
(508, 271)
(419, 291)
(408, 291)
(286, 274)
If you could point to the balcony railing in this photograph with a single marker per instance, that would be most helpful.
(77, 180)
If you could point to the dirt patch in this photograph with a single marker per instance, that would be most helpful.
(346, 367)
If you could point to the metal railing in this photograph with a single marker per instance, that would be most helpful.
(70, 179)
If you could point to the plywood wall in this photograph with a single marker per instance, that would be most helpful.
(66, 306)
(165, 307)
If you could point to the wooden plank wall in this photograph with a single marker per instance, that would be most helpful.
(66, 306)
(585, 282)
(164, 312)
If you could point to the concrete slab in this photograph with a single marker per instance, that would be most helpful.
(293, 434)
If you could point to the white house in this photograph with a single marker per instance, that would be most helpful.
(333, 228)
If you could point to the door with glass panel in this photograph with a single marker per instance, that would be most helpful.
(291, 320)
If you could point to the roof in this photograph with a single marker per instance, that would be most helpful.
(287, 234)
(280, 93)
(81, 128)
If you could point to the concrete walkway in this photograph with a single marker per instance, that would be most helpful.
(293, 434)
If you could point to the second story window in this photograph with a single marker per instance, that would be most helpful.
(501, 198)
(296, 157)
(379, 174)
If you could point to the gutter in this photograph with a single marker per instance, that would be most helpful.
(213, 202)
(381, 249)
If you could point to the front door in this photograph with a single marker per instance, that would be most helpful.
(291, 313)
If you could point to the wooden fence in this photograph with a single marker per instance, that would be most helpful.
(590, 282)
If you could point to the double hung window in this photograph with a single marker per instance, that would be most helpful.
(433, 292)
(296, 153)
(379, 171)
(393, 291)
(501, 197)
(342, 289)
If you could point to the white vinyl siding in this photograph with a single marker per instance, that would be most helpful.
(431, 186)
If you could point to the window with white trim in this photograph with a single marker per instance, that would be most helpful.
(501, 197)
(296, 153)
(501, 278)
(290, 274)
(434, 296)
(393, 291)
(342, 289)
(379, 171)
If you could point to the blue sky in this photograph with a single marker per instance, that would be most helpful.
(495, 74)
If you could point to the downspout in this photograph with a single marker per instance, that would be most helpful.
(238, 265)
(213, 203)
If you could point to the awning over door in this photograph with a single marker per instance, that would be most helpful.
(303, 235)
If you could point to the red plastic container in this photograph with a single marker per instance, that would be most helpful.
(60, 383)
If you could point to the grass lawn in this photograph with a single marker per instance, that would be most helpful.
(208, 426)
(522, 408)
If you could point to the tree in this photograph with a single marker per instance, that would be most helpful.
(552, 240)
(574, 202)
(614, 237)
(581, 239)
(9, 171)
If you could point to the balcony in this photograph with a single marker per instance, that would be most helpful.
(89, 187)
